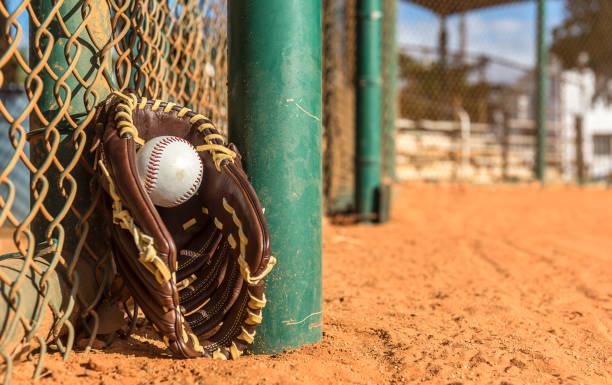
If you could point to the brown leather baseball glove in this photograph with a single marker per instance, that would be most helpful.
(195, 269)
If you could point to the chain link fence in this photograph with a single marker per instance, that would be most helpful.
(467, 91)
(339, 68)
(59, 59)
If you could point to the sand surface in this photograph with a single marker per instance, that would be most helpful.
(466, 285)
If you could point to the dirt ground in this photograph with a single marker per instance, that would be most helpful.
(466, 285)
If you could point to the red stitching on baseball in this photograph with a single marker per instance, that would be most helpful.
(154, 165)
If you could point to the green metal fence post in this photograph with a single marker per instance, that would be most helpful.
(275, 119)
(542, 75)
(368, 104)
(390, 74)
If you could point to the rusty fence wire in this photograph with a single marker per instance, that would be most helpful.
(58, 60)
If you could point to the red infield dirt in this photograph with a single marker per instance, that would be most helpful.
(466, 285)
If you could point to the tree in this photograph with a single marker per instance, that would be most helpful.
(583, 41)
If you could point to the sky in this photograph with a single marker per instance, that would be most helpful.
(22, 19)
(507, 31)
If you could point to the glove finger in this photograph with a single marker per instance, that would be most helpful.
(238, 330)
(203, 284)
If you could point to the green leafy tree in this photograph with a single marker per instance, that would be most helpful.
(583, 40)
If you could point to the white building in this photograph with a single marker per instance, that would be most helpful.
(571, 104)
(577, 103)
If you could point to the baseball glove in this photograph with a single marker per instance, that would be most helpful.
(195, 269)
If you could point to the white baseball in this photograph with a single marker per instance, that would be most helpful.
(170, 170)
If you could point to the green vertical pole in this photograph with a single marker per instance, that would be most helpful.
(542, 75)
(390, 87)
(275, 119)
(368, 105)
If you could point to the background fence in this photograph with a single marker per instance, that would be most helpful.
(465, 104)
(468, 90)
